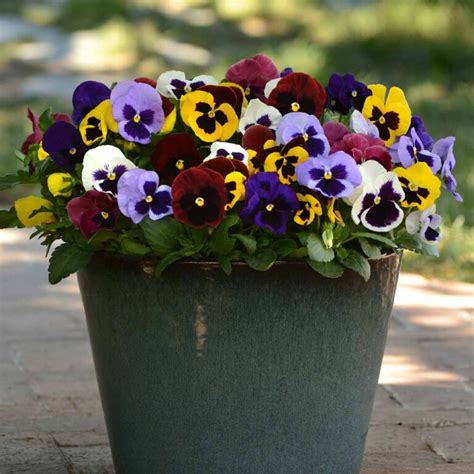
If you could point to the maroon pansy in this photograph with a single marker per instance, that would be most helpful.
(224, 166)
(335, 131)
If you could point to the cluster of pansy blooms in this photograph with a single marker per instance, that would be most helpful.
(258, 167)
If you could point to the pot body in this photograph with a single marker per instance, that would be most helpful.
(271, 372)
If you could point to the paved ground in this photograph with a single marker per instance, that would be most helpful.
(50, 415)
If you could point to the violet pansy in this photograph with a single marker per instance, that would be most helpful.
(444, 148)
(411, 150)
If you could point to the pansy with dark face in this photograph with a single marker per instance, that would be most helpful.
(63, 143)
(411, 150)
(199, 197)
(310, 207)
(344, 92)
(95, 126)
(259, 142)
(421, 187)
(173, 154)
(173, 84)
(268, 203)
(87, 96)
(228, 150)
(298, 92)
(285, 160)
(426, 224)
(259, 113)
(93, 211)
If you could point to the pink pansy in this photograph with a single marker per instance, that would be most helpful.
(334, 131)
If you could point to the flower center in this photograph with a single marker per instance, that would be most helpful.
(269, 207)
(354, 93)
(180, 164)
(136, 118)
(149, 199)
(377, 200)
(328, 175)
(415, 151)
(72, 151)
(295, 107)
(247, 90)
(200, 201)
(187, 88)
(305, 137)
(382, 120)
(229, 156)
(333, 102)
(211, 114)
(111, 176)
(412, 187)
(105, 215)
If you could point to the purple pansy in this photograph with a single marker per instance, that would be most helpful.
(138, 110)
(419, 127)
(344, 92)
(377, 207)
(139, 194)
(63, 143)
(87, 96)
(411, 150)
(284, 72)
(426, 223)
(302, 125)
(268, 203)
(335, 176)
(444, 149)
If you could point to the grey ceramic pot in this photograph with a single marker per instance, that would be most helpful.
(271, 372)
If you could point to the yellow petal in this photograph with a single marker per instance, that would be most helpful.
(59, 184)
(187, 103)
(238, 194)
(24, 207)
(232, 124)
(41, 153)
(169, 122)
(95, 125)
(369, 104)
(378, 90)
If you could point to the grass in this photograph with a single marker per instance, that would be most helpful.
(424, 46)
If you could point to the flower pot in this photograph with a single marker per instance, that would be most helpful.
(258, 372)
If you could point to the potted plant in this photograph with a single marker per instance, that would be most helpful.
(237, 246)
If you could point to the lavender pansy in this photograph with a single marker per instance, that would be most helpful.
(410, 150)
(139, 194)
(335, 176)
(426, 224)
(444, 148)
(419, 127)
(138, 110)
(87, 96)
(362, 125)
(308, 127)
(228, 150)
(259, 113)
(268, 203)
(173, 84)
(344, 92)
(103, 167)
(377, 207)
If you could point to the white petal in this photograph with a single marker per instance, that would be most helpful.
(255, 110)
(270, 85)
(413, 222)
(163, 84)
(369, 170)
(361, 125)
(208, 80)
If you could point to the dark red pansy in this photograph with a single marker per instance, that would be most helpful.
(224, 166)
(146, 80)
(298, 92)
(259, 141)
(93, 211)
(173, 154)
(199, 197)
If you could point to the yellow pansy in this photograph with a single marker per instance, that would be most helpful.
(391, 116)
(41, 153)
(334, 216)
(26, 206)
(96, 124)
(207, 120)
(59, 184)
(235, 185)
(310, 207)
(284, 162)
(421, 187)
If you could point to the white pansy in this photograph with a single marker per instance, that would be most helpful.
(426, 223)
(259, 113)
(173, 84)
(369, 170)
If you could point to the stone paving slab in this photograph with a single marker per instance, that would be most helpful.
(51, 419)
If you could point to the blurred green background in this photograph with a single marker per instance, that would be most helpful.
(424, 46)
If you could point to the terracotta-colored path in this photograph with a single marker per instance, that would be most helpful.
(50, 415)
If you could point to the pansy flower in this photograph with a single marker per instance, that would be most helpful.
(103, 167)
(298, 92)
(259, 113)
(334, 131)
(63, 143)
(410, 150)
(252, 74)
(232, 151)
(29, 214)
(227, 93)
(377, 207)
(391, 115)
(95, 126)
(139, 194)
(259, 141)
(224, 165)
(419, 127)
(235, 186)
(93, 211)
(369, 171)
(199, 197)
(60, 184)
(310, 207)
(87, 96)
(138, 110)
(421, 187)
(305, 126)
(344, 92)
(444, 148)
(285, 159)
(209, 121)
(361, 125)
(334, 177)
(173, 154)
(426, 224)
(173, 84)
(268, 203)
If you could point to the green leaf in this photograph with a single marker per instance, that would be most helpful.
(162, 235)
(226, 264)
(341, 253)
(317, 250)
(284, 247)
(12, 180)
(377, 237)
(193, 240)
(131, 247)
(248, 241)
(19, 155)
(327, 269)
(67, 259)
(46, 119)
(8, 219)
(221, 243)
(167, 260)
(262, 260)
(357, 262)
(371, 250)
